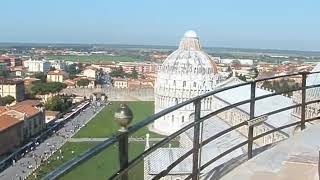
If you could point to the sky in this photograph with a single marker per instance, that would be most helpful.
(267, 24)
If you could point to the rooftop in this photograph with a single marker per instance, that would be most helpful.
(7, 121)
(295, 158)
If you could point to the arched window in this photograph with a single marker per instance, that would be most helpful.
(182, 119)
(184, 83)
(174, 82)
(194, 84)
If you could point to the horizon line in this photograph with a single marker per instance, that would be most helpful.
(172, 46)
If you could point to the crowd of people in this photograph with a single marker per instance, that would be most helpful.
(42, 151)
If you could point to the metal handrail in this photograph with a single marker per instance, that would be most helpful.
(197, 121)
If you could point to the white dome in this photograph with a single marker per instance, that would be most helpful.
(186, 73)
(190, 34)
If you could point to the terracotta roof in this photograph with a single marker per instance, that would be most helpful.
(10, 81)
(28, 102)
(69, 82)
(7, 121)
(26, 108)
(83, 77)
(90, 67)
(3, 109)
(56, 72)
(51, 113)
(18, 68)
(119, 79)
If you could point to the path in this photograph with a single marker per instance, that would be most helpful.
(32, 160)
(103, 139)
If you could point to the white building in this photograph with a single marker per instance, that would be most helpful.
(247, 62)
(57, 76)
(90, 72)
(37, 65)
(58, 64)
(186, 73)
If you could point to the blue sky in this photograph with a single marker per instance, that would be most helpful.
(275, 24)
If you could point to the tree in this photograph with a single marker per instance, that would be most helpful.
(242, 77)
(7, 100)
(118, 72)
(45, 88)
(83, 82)
(73, 69)
(4, 73)
(41, 76)
(58, 103)
(134, 73)
(52, 68)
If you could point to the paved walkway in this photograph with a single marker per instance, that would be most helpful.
(296, 158)
(103, 139)
(31, 161)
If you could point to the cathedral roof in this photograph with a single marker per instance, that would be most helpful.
(189, 55)
(262, 106)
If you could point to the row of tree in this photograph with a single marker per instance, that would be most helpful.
(45, 88)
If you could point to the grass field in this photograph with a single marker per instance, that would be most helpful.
(96, 58)
(104, 125)
(100, 166)
(105, 163)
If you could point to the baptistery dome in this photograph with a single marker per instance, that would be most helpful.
(186, 73)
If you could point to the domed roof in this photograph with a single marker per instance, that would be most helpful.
(190, 34)
(190, 55)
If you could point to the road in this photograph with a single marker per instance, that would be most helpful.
(26, 165)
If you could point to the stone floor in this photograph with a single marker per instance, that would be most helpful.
(296, 158)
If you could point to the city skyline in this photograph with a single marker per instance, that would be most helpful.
(287, 25)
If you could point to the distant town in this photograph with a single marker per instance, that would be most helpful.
(42, 85)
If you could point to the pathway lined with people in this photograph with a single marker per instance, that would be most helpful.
(32, 159)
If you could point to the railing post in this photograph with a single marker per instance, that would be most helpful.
(123, 153)
(250, 128)
(196, 139)
(123, 116)
(303, 99)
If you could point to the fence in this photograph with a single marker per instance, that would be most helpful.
(122, 136)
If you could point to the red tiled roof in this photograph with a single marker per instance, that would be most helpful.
(90, 67)
(26, 108)
(69, 82)
(28, 102)
(7, 121)
(56, 72)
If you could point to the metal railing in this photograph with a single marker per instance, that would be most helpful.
(122, 137)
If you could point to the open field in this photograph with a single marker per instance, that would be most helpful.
(103, 124)
(96, 58)
(100, 166)
(106, 163)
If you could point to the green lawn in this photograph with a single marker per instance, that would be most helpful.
(104, 125)
(105, 163)
(100, 166)
(97, 58)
